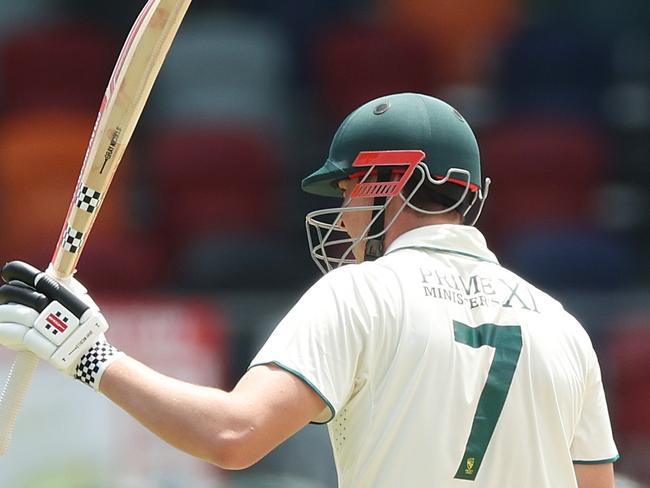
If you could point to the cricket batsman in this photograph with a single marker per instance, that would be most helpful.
(431, 364)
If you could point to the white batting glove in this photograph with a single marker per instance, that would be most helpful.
(63, 327)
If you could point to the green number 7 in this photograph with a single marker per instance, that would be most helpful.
(506, 339)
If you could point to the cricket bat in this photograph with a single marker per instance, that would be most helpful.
(128, 89)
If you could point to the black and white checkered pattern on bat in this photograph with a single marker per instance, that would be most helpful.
(88, 199)
(91, 363)
(72, 240)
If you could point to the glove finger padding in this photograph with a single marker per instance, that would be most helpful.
(53, 289)
(19, 292)
(13, 335)
(19, 314)
(15, 321)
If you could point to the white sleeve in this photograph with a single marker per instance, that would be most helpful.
(593, 442)
(321, 339)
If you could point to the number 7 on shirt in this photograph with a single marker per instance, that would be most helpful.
(506, 339)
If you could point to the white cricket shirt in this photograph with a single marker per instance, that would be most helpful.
(442, 369)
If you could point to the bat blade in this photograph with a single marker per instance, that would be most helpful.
(129, 87)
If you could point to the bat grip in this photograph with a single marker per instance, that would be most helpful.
(13, 395)
(21, 373)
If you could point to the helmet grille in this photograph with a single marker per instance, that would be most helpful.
(377, 189)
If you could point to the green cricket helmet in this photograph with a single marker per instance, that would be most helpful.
(424, 141)
(405, 121)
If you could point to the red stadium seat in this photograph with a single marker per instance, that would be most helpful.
(63, 65)
(42, 156)
(42, 153)
(213, 180)
(125, 263)
(357, 62)
(544, 172)
(629, 357)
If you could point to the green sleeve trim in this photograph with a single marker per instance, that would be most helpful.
(308, 383)
(600, 461)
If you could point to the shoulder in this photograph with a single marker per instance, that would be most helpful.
(556, 316)
(370, 289)
(372, 277)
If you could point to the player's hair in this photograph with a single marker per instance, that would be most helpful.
(432, 197)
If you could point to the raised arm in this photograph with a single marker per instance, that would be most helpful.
(230, 429)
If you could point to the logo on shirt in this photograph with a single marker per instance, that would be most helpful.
(476, 290)
(469, 466)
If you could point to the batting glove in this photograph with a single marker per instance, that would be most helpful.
(59, 323)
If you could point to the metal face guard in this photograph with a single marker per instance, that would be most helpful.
(329, 244)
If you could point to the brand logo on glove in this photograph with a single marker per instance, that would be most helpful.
(54, 321)
(80, 343)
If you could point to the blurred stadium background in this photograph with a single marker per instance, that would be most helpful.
(204, 225)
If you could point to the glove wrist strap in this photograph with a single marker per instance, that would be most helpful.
(94, 362)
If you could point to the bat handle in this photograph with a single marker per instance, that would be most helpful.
(22, 371)
(13, 394)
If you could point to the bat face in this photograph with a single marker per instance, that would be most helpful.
(126, 93)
